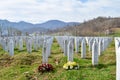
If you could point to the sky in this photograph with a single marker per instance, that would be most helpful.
(38, 11)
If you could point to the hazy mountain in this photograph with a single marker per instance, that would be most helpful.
(54, 24)
(29, 27)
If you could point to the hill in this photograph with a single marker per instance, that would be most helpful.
(96, 26)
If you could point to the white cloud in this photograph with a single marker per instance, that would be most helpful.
(67, 10)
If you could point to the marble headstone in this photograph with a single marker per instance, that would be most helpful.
(21, 44)
(65, 47)
(70, 49)
(44, 53)
(95, 53)
(83, 49)
(29, 45)
(11, 47)
(117, 48)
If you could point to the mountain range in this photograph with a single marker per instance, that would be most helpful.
(29, 27)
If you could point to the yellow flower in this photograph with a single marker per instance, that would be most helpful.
(69, 63)
(71, 67)
(73, 63)
(64, 65)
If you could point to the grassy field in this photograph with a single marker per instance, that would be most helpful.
(23, 66)
(116, 32)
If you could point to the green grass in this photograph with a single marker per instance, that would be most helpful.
(23, 66)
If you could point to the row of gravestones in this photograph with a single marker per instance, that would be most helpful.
(10, 43)
(96, 45)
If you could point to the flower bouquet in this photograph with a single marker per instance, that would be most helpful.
(45, 68)
(71, 65)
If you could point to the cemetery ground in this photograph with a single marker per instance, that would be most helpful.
(23, 65)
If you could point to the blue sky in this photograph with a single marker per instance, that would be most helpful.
(38, 11)
(83, 1)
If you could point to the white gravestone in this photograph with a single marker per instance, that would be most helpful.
(6, 45)
(91, 43)
(21, 44)
(117, 48)
(70, 49)
(100, 47)
(44, 53)
(95, 53)
(87, 39)
(83, 49)
(40, 42)
(78, 41)
(65, 47)
(16, 42)
(11, 47)
(103, 44)
(77, 44)
(29, 45)
(48, 48)
(50, 44)
(60, 40)
(35, 43)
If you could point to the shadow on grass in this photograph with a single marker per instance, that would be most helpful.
(50, 57)
(105, 65)
(16, 49)
(99, 66)
(35, 51)
(21, 50)
(56, 53)
(79, 52)
(88, 58)
(112, 64)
